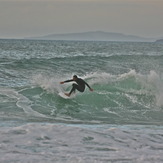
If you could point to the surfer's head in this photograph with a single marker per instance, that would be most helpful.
(75, 77)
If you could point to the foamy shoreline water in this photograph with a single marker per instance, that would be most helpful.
(43, 142)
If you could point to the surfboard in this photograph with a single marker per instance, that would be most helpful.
(61, 94)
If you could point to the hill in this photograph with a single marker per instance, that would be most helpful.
(160, 40)
(93, 36)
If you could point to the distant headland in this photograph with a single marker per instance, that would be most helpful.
(94, 36)
(160, 40)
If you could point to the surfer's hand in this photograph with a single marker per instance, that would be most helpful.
(62, 82)
(91, 89)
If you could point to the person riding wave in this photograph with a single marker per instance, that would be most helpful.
(80, 86)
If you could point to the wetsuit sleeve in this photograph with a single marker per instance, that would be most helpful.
(68, 81)
(87, 85)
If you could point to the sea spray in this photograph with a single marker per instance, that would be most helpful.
(50, 84)
(157, 84)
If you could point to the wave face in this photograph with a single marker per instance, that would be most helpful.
(126, 77)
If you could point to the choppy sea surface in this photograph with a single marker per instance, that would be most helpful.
(121, 121)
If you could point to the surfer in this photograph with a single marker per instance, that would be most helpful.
(80, 86)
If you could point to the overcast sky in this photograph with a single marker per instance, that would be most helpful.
(26, 18)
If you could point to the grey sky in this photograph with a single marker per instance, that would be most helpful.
(25, 18)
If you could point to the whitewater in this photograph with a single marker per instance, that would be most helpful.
(121, 121)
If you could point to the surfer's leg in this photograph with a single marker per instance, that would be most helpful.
(74, 87)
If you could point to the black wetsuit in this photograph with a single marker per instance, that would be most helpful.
(80, 86)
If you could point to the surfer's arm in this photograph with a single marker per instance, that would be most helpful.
(88, 86)
(66, 81)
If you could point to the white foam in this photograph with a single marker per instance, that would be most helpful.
(44, 142)
(151, 82)
(155, 80)
(98, 78)
(48, 83)
(44, 82)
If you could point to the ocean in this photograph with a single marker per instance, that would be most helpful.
(121, 121)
